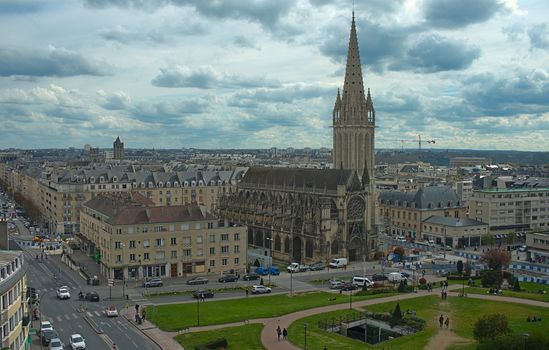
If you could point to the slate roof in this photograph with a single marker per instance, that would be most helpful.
(298, 177)
(453, 222)
(426, 198)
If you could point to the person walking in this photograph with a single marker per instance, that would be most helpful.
(447, 322)
(284, 334)
(201, 296)
(143, 314)
(278, 332)
(441, 320)
(247, 292)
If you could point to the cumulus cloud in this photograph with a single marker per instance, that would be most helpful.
(434, 53)
(206, 77)
(21, 6)
(539, 36)
(244, 42)
(57, 62)
(458, 14)
(286, 94)
(114, 101)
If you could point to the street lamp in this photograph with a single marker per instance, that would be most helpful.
(198, 311)
(270, 240)
(444, 245)
(305, 327)
(350, 300)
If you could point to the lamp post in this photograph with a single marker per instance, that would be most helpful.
(305, 328)
(270, 240)
(291, 283)
(198, 311)
(444, 245)
(350, 300)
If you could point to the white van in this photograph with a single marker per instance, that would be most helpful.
(360, 281)
(395, 277)
(338, 263)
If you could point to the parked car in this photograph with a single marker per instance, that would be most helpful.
(273, 270)
(47, 335)
(405, 274)
(296, 267)
(111, 311)
(205, 292)
(252, 276)
(378, 277)
(360, 281)
(338, 263)
(395, 277)
(153, 282)
(56, 344)
(523, 248)
(197, 280)
(317, 266)
(335, 284)
(348, 286)
(262, 271)
(260, 289)
(77, 342)
(63, 293)
(228, 278)
(45, 326)
(92, 296)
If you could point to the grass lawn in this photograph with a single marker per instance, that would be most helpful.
(510, 293)
(242, 337)
(463, 314)
(174, 317)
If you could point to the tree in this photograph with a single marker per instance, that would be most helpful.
(400, 252)
(496, 258)
(516, 285)
(401, 287)
(396, 316)
(459, 267)
(491, 279)
(490, 326)
(468, 269)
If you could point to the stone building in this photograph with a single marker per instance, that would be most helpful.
(134, 239)
(306, 215)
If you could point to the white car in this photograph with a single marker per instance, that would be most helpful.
(111, 311)
(56, 344)
(260, 289)
(77, 342)
(46, 326)
(63, 293)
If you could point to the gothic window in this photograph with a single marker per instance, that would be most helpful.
(250, 237)
(286, 245)
(355, 208)
(277, 243)
(355, 229)
(334, 248)
(309, 249)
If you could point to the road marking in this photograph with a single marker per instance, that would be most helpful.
(89, 313)
(75, 316)
(58, 318)
(97, 313)
(67, 317)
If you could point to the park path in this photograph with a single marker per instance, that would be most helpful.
(445, 337)
(270, 341)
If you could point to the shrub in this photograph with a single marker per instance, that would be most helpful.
(401, 287)
(491, 279)
(396, 316)
(459, 267)
(516, 285)
(490, 326)
(400, 252)
(468, 269)
(496, 258)
(422, 281)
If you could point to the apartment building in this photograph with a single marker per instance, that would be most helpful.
(454, 232)
(510, 210)
(538, 246)
(135, 239)
(402, 213)
(14, 314)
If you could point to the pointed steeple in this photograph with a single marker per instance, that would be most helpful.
(365, 173)
(353, 88)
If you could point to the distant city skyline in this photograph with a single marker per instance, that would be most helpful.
(258, 74)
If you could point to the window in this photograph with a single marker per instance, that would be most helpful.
(172, 228)
(237, 249)
(186, 252)
(146, 243)
(210, 225)
(212, 250)
(118, 245)
(132, 257)
(212, 263)
(184, 227)
(225, 237)
(211, 238)
(159, 242)
(130, 229)
(132, 244)
(199, 239)
(119, 258)
(173, 241)
(158, 228)
(159, 255)
(236, 261)
(199, 252)
(174, 253)
(197, 226)
(237, 236)
(224, 262)
(225, 249)
(146, 256)
(186, 240)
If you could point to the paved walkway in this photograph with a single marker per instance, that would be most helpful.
(269, 337)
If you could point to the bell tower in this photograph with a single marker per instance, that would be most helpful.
(354, 117)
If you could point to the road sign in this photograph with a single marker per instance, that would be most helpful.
(110, 282)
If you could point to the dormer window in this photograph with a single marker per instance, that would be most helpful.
(186, 184)
(219, 182)
(150, 184)
(200, 183)
(175, 184)
(193, 183)
(168, 184)
(114, 179)
(160, 184)
(101, 179)
(134, 185)
(92, 180)
(142, 185)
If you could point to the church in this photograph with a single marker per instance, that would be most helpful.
(310, 215)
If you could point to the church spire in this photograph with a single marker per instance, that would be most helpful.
(353, 88)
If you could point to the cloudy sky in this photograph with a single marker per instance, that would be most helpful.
(264, 73)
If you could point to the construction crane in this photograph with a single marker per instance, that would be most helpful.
(419, 142)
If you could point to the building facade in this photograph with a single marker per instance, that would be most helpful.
(133, 239)
(402, 213)
(538, 247)
(454, 232)
(510, 210)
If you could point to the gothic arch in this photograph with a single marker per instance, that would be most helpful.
(259, 238)
(286, 245)
(356, 249)
(334, 249)
(296, 249)
(250, 236)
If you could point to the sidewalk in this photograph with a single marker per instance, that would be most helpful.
(163, 339)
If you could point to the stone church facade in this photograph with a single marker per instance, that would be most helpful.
(308, 215)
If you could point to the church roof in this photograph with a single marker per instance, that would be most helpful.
(429, 197)
(298, 177)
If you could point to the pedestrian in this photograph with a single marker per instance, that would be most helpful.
(201, 296)
(278, 332)
(284, 334)
(447, 322)
(143, 315)
(247, 292)
(445, 295)
(423, 273)
(441, 320)
(136, 308)
(442, 294)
